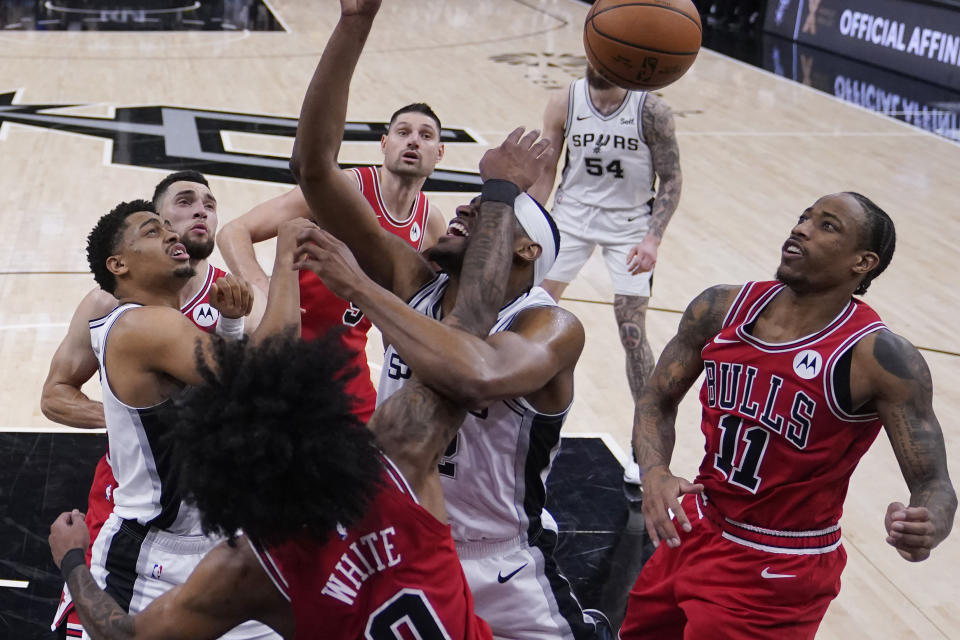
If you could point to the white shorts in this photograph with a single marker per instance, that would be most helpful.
(583, 227)
(137, 564)
(519, 590)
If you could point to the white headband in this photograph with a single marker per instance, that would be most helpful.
(536, 223)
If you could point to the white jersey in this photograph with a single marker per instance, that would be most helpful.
(139, 455)
(608, 163)
(495, 469)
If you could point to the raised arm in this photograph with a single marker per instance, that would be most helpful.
(654, 426)
(236, 238)
(660, 136)
(228, 587)
(902, 391)
(334, 200)
(554, 121)
(72, 365)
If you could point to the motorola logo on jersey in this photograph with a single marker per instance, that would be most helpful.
(174, 138)
(415, 231)
(807, 364)
(205, 315)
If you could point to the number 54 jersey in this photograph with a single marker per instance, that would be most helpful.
(782, 438)
(393, 574)
(608, 163)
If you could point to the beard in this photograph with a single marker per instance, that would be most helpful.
(186, 272)
(198, 250)
(450, 260)
(795, 282)
(597, 81)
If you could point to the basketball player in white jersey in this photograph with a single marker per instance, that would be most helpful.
(518, 381)
(211, 301)
(146, 350)
(618, 143)
(411, 150)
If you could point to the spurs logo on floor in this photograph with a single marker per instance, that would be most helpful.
(171, 138)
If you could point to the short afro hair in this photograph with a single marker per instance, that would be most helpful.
(185, 176)
(879, 236)
(103, 240)
(416, 107)
(269, 442)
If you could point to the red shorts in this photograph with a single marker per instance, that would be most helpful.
(712, 587)
(99, 508)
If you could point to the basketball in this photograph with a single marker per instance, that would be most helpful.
(642, 45)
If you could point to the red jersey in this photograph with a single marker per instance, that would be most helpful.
(782, 440)
(198, 308)
(394, 574)
(324, 310)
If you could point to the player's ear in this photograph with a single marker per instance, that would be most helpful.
(383, 143)
(117, 265)
(527, 249)
(443, 148)
(866, 261)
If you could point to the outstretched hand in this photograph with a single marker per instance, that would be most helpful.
(329, 258)
(910, 531)
(67, 532)
(359, 7)
(232, 296)
(661, 490)
(519, 158)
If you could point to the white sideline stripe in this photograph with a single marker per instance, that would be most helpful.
(50, 429)
(14, 584)
(39, 325)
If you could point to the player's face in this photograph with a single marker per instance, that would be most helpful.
(192, 211)
(412, 145)
(451, 246)
(151, 250)
(823, 249)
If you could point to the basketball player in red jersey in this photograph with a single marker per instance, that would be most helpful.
(411, 149)
(800, 377)
(364, 550)
(184, 198)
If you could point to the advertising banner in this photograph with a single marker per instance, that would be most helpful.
(917, 40)
(935, 109)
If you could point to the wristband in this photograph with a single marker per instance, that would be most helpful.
(231, 328)
(71, 560)
(497, 190)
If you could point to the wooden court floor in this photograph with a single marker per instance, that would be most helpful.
(755, 151)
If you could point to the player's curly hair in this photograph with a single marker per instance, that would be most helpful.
(268, 444)
(188, 175)
(103, 239)
(879, 236)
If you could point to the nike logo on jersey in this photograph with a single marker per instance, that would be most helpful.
(718, 340)
(582, 117)
(503, 578)
(766, 573)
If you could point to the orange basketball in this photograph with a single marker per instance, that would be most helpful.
(642, 45)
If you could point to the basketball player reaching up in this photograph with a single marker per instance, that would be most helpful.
(211, 300)
(800, 377)
(145, 351)
(411, 149)
(518, 381)
(340, 541)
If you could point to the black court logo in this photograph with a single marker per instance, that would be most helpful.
(175, 138)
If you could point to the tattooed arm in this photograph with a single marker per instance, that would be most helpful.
(415, 425)
(892, 373)
(227, 588)
(654, 430)
(659, 134)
